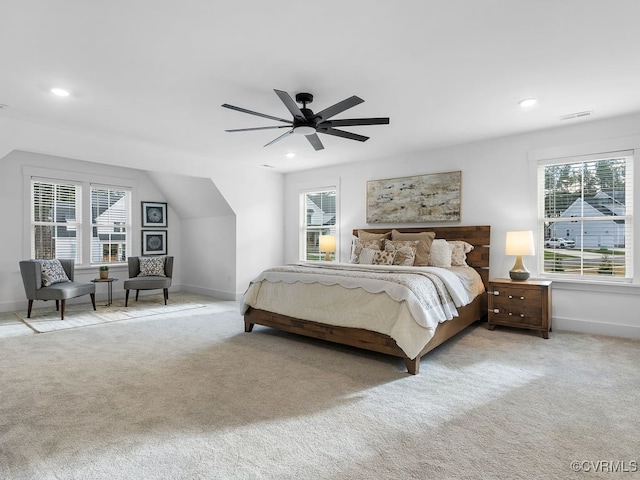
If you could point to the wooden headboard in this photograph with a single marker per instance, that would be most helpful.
(478, 236)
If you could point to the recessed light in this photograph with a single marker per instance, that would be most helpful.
(60, 92)
(290, 155)
(528, 102)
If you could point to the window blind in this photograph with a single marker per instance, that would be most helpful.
(585, 207)
(56, 219)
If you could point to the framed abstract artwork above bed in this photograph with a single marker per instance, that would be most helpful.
(417, 199)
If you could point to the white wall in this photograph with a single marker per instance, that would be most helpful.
(498, 189)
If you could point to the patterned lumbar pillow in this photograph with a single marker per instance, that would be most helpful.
(52, 272)
(383, 257)
(459, 255)
(152, 267)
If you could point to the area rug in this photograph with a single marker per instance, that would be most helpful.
(45, 320)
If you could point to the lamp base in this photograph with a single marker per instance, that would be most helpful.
(519, 275)
(519, 272)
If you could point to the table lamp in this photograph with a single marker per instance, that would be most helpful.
(519, 243)
(327, 244)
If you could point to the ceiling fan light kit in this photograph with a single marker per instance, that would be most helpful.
(309, 124)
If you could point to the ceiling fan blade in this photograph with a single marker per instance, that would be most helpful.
(291, 105)
(280, 137)
(338, 108)
(315, 142)
(257, 128)
(355, 121)
(251, 112)
(343, 134)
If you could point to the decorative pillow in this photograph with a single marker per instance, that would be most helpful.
(440, 255)
(52, 272)
(459, 255)
(366, 256)
(367, 238)
(424, 247)
(382, 257)
(152, 267)
(405, 251)
(358, 245)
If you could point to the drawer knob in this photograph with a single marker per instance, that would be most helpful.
(495, 310)
(522, 315)
(510, 296)
(521, 298)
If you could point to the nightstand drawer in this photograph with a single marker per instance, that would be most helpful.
(514, 315)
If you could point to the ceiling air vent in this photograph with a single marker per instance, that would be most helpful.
(575, 116)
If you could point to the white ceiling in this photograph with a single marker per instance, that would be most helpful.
(445, 71)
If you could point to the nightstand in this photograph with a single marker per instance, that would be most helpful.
(521, 304)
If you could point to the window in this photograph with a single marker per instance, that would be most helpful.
(60, 228)
(110, 222)
(586, 217)
(56, 220)
(317, 217)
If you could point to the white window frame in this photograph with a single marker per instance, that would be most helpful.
(304, 227)
(584, 219)
(83, 259)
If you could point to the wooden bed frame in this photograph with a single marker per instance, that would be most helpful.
(478, 258)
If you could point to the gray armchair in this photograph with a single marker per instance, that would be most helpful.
(32, 278)
(148, 282)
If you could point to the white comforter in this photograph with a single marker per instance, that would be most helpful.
(406, 303)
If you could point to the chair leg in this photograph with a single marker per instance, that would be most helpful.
(64, 304)
(137, 292)
(166, 295)
(126, 298)
(29, 307)
(57, 306)
(93, 299)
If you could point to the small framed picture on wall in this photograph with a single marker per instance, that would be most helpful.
(154, 214)
(154, 242)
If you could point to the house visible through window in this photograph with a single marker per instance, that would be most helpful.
(110, 213)
(318, 217)
(58, 221)
(586, 217)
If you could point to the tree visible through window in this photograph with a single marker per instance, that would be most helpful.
(586, 216)
(55, 220)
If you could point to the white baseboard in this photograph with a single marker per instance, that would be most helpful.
(210, 292)
(597, 328)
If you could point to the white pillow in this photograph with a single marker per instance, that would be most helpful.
(366, 256)
(440, 255)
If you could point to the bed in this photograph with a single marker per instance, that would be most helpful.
(360, 323)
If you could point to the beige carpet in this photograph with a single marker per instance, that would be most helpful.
(190, 395)
(47, 319)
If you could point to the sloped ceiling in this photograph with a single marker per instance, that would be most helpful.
(445, 71)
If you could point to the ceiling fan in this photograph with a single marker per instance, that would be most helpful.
(309, 124)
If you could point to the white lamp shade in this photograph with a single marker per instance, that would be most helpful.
(327, 243)
(520, 243)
